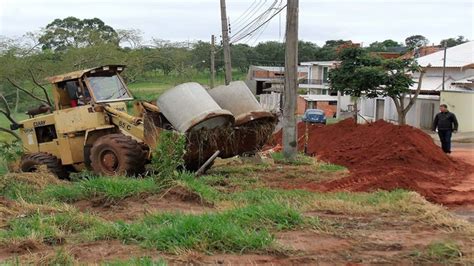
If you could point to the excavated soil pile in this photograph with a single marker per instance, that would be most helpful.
(381, 155)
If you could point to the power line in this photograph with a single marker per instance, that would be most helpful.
(258, 27)
(258, 22)
(251, 14)
(254, 22)
(261, 32)
(239, 19)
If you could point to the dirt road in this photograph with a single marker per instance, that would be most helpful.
(464, 152)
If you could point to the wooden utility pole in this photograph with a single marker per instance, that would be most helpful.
(444, 64)
(226, 44)
(213, 61)
(290, 145)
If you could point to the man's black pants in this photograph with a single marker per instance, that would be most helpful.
(445, 138)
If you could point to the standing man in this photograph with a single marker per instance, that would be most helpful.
(446, 123)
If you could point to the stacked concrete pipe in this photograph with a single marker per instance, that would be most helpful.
(250, 118)
(193, 112)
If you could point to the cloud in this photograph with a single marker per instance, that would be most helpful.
(320, 20)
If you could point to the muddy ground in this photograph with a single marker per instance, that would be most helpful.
(347, 237)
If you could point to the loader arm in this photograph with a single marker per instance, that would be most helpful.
(144, 129)
(128, 124)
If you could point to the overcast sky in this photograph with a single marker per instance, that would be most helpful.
(320, 20)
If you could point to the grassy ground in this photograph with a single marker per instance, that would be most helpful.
(239, 213)
(152, 85)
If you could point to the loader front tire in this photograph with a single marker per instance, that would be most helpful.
(31, 162)
(117, 154)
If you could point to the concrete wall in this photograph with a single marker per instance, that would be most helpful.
(271, 101)
(345, 102)
(329, 110)
(420, 115)
(301, 105)
(462, 105)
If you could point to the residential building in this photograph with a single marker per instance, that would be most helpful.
(265, 79)
(317, 81)
(458, 90)
(318, 93)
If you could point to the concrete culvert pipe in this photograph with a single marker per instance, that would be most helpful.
(253, 126)
(190, 107)
(240, 101)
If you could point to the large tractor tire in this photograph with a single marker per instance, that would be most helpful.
(32, 161)
(117, 154)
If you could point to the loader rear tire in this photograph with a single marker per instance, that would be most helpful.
(117, 154)
(31, 162)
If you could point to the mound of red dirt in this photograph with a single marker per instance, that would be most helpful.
(381, 155)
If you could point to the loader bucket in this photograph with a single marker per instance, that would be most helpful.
(151, 124)
(253, 125)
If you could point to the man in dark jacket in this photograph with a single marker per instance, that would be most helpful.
(446, 123)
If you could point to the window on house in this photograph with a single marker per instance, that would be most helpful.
(325, 74)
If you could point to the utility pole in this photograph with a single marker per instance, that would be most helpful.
(213, 58)
(226, 44)
(444, 64)
(290, 145)
(338, 106)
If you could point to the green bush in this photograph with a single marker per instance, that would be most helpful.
(169, 154)
(11, 152)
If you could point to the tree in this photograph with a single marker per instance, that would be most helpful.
(416, 40)
(454, 41)
(270, 53)
(130, 38)
(358, 74)
(329, 51)
(62, 34)
(7, 113)
(334, 43)
(397, 82)
(200, 55)
(307, 51)
(241, 55)
(383, 46)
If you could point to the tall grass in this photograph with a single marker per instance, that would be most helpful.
(110, 189)
(237, 230)
(49, 229)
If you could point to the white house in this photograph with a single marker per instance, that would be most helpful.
(459, 77)
(318, 77)
(317, 86)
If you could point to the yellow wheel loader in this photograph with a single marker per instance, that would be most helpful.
(89, 127)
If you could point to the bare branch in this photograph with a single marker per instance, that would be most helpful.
(7, 112)
(27, 92)
(417, 92)
(11, 132)
(41, 86)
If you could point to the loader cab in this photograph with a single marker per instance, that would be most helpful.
(96, 85)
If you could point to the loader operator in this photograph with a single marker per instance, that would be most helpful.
(76, 95)
(446, 123)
